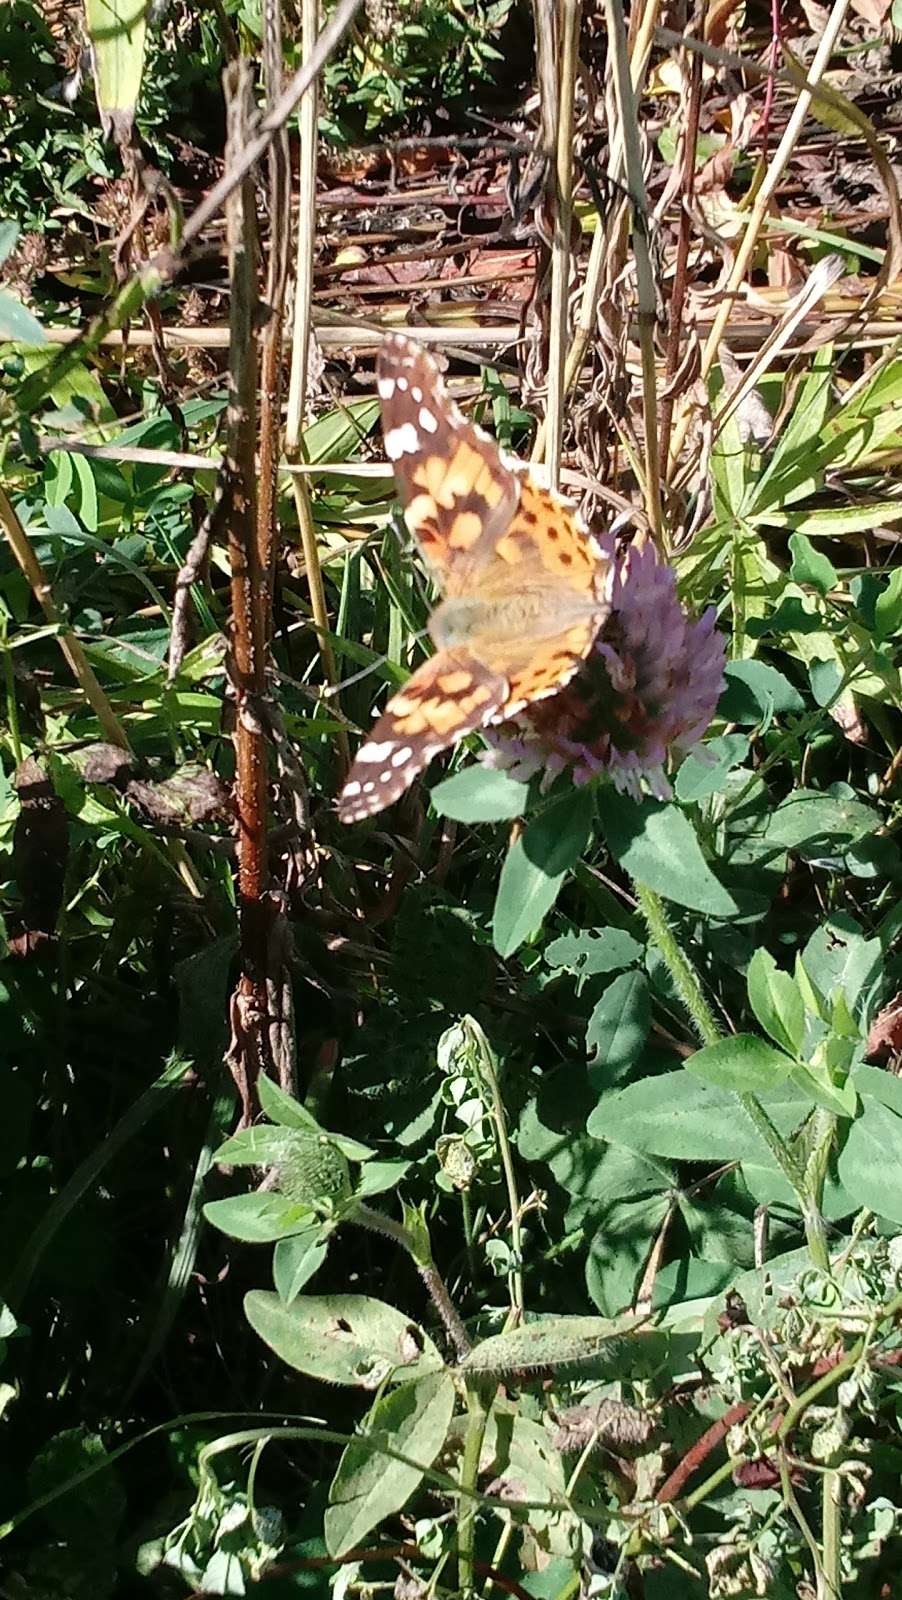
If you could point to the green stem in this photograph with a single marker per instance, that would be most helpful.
(12, 708)
(777, 1146)
(487, 1064)
(822, 1132)
(831, 1536)
(685, 978)
(477, 1417)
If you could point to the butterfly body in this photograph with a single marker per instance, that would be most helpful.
(524, 585)
(487, 624)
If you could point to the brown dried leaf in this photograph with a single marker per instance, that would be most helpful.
(40, 853)
(192, 795)
(885, 1036)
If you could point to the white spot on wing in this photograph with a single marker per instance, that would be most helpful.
(386, 387)
(427, 421)
(376, 750)
(402, 382)
(416, 393)
(401, 756)
(351, 788)
(403, 441)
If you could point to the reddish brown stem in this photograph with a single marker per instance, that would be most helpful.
(672, 1487)
(248, 661)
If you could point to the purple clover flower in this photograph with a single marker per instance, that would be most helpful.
(645, 694)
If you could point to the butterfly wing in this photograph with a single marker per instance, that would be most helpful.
(458, 494)
(485, 529)
(450, 695)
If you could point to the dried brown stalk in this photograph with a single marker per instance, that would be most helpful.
(249, 1047)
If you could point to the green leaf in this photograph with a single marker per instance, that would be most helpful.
(258, 1218)
(370, 1485)
(117, 30)
(525, 1457)
(838, 1098)
(287, 1112)
(656, 844)
(295, 1261)
(742, 1062)
(378, 1176)
(535, 868)
(791, 466)
(678, 1116)
(697, 778)
(554, 1341)
(618, 1029)
(88, 1514)
(811, 566)
(839, 523)
(768, 1186)
(9, 233)
(839, 956)
(756, 692)
(888, 607)
(17, 322)
(262, 1146)
(619, 1249)
(877, 1084)
(283, 1108)
(587, 954)
(807, 820)
(730, 464)
(480, 794)
(339, 434)
(777, 1002)
(342, 1338)
(870, 1164)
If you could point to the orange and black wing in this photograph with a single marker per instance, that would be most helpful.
(448, 696)
(458, 494)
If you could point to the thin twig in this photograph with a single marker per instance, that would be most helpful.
(561, 241)
(645, 282)
(680, 280)
(761, 205)
(300, 347)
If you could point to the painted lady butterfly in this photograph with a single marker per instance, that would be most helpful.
(524, 584)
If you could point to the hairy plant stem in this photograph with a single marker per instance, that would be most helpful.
(378, 1222)
(684, 977)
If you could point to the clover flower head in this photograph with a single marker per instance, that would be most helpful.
(643, 697)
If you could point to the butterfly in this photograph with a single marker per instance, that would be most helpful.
(524, 585)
